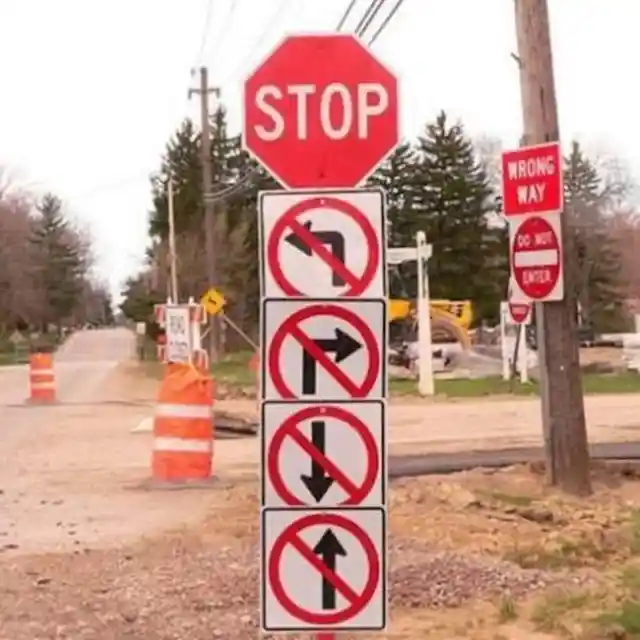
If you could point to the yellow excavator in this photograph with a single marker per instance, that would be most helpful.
(450, 319)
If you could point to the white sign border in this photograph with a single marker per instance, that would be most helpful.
(383, 558)
(319, 193)
(383, 446)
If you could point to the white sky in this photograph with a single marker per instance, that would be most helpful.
(90, 90)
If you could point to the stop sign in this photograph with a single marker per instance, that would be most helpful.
(536, 258)
(321, 111)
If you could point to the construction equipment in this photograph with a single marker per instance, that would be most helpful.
(450, 319)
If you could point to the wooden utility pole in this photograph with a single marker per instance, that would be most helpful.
(564, 425)
(208, 202)
(173, 257)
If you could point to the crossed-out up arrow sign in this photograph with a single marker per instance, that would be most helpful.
(334, 239)
(343, 345)
(329, 548)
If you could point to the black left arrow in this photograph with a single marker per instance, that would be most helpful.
(334, 239)
(318, 483)
(343, 345)
(329, 548)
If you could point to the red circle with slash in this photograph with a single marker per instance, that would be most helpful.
(356, 284)
(290, 537)
(291, 328)
(290, 429)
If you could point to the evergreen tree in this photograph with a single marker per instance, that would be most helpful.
(452, 199)
(60, 265)
(595, 258)
(396, 176)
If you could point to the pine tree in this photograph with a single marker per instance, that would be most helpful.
(596, 260)
(452, 199)
(59, 261)
(396, 176)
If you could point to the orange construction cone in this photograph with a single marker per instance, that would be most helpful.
(183, 426)
(42, 383)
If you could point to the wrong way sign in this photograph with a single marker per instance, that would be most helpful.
(317, 349)
(325, 454)
(323, 244)
(323, 569)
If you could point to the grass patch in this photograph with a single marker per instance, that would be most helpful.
(507, 610)
(506, 498)
(634, 532)
(11, 354)
(565, 554)
(593, 383)
(235, 370)
(630, 578)
(548, 614)
(626, 617)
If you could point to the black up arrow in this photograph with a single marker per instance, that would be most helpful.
(334, 239)
(329, 548)
(318, 483)
(343, 345)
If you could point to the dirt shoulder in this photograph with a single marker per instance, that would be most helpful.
(488, 556)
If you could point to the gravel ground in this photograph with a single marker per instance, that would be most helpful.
(203, 584)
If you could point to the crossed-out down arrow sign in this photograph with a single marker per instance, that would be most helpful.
(318, 483)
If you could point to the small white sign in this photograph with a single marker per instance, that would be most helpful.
(323, 454)
(323, 569)
(319, 349)
(323, 244)
(178, 331)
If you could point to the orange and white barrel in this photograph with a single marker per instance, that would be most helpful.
(42, 382)
(183, 426)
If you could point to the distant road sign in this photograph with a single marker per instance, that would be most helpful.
(213, 301)
(321, 111)
(319, 244)
(532, 180)
(536, 259)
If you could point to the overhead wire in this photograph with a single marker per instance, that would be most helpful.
(346, 14)
(386, 21)
(225, 28)
(261, 38)
(369, 15)
(205, 32)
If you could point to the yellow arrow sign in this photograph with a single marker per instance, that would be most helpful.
(213, 301)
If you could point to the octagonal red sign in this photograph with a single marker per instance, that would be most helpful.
(321, 111)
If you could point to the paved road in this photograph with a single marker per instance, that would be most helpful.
(81, 366)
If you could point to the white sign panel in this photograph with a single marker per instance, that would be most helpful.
(323, 569)
(323, 244)
(319, 349)
(179, 345)
(323, 454)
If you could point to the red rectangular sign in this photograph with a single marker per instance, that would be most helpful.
(532, 180)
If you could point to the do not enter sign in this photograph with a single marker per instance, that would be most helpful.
(536, 259)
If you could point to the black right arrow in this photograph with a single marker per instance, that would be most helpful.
(334, 239)
(318, 483)
(343, 345)
(329, 548)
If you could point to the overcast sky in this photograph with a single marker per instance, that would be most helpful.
(92, 89)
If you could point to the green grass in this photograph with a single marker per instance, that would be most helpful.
(593, 383)
(234, 370)
(11, 354)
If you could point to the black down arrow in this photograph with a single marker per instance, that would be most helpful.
(343, 345)
(329, 548)
(334, 239)
(318, 483)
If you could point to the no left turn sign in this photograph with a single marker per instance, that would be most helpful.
(329, 244)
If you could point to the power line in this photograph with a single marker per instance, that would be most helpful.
(386, 22)
(205, 31)
(263, 36)
(227, 22)
(346, 14)
(369, 15)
